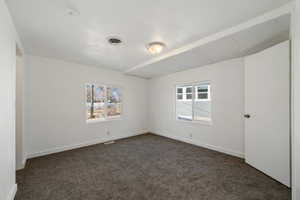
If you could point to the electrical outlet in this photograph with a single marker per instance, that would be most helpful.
(191, 135)
(107, 132)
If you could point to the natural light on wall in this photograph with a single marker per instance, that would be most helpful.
(103, 102)
(193, 102)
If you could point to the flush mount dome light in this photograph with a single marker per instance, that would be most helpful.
(114, 40)
(155, 47)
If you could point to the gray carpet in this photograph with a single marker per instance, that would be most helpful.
(144, 167)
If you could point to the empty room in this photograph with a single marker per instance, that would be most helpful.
(149, 100)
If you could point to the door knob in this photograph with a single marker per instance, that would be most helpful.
(247, 116)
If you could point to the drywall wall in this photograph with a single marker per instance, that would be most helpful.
(296, 103)
(20, 158)
(55, 115)
(8, 42)
(226, 133)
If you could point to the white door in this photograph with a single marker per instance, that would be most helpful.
(267, 112)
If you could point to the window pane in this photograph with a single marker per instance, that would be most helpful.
(202, 96)
(88, 90)
(202, 91)
(88, 110)
(114, 102)
(183, 107)
(95, 102)
(114, 110)
(99, 110)
(99, 104)
(179, 90)
(203, 88)
(189, 90)
(184, 110)
(189, 96)
(202, 110)
(179, 97)
(113, 95)
(100, 94)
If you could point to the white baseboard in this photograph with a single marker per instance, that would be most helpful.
(22, 166)
(24, 163)
(76, 146)
(207, 146)
(12, 193)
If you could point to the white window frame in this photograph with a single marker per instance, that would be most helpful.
(106, 118)
(193, 85)
(184, 93)
(208, 93)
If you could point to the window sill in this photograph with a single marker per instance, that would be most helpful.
(201, 122)
(92, 121)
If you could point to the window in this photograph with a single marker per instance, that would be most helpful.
(185, 93)
(193, 102)
(102, 102)
(189, 93)
(202, 92)
(180, 93)
(113, 102)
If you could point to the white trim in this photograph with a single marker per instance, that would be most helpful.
(108, 119)
(207, 146)
(286, 9)
(207, 122)
(293, 51)
(184, 100)
(22, 166)
(12, 193)
(24, 162)
(198, 100)
(84, 144)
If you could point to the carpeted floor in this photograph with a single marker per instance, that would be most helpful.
(144, 167)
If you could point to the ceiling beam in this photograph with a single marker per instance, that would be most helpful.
(286, 9)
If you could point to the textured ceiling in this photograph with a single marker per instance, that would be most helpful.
(46, 30)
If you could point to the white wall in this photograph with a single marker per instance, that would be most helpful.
(8, 40)
(19, 112)
(296, 104)
(55, 106)
(227, 89)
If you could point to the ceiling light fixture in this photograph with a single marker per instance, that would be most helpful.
(155, 47)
